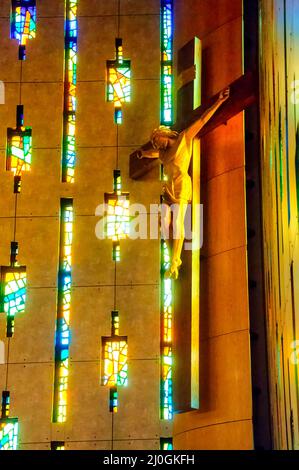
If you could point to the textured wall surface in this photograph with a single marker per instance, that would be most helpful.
(224, 420)
(279, 36)
(31, 354)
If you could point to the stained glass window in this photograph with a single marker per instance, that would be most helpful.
(13, 294)
(9, 430)
(167, 62)
(115, 366)
(166, 337)
(23, 23)
(63, 313)
(166, 443)
(117, 224)
(9, 427)
(118, 81)
(166, 284)
(57, 445)
(70, 88)
(116, 252)
(19, 147)
(19, 150)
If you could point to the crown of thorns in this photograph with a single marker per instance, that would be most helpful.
(163, 131)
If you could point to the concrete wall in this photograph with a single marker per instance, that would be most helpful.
(279, 33)
(224, 420)
(31, 358)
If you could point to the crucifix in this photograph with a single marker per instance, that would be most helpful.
(173, 147)
(242, 94)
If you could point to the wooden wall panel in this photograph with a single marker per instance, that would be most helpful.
(279, 120)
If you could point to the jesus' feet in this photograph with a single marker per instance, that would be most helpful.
(173, 272)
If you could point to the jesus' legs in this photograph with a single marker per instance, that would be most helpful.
(178, 238)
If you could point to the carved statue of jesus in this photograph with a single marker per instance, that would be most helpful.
(175, 151)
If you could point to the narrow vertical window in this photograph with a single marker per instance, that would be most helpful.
(167, 62)
(23, 23)
(118, 81)
(70, 86)
(9, 427)
(115, 357)
(63, 312)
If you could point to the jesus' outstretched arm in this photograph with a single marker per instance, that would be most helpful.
(194, 129)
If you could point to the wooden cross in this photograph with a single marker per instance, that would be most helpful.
(243, 93)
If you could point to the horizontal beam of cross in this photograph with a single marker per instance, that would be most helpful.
(243, 93)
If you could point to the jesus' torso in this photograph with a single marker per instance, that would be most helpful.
(176, 162)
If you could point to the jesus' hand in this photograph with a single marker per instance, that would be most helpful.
(224, 94)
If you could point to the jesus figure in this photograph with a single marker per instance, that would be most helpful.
(175, 151)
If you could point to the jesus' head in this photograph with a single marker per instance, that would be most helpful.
(163, 137)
